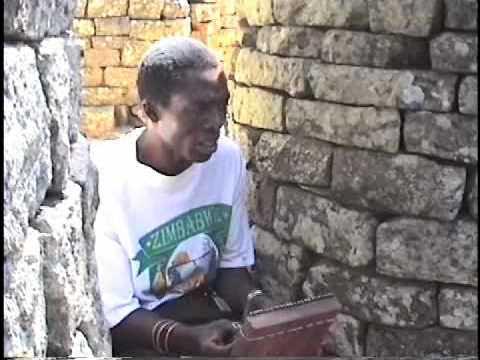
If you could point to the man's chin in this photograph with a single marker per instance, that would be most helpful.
(202, 157)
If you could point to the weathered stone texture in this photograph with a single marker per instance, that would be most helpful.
(133, 52)
(84, 27)
(419, 18)
(30, 20)
(432, 342)
(325, 227)
(400, 184)
(262, 200)
(112, 26)
(203, 13)
(329, 13)
(365, 127)
(145, 9)
(458, 307)
(349, 336)
(256, 12)
(92, 76)
(81, 8)
(98, 121)
(429, 250)
(287, 158)
(374, 298)
(473, 196)
(447, 136)
(106, 8)
(98, 96)
(290, 41)
(121, 76)
(468, 95)
(255, 68)
(25, 327)
(152, 30)
(454, 52)
(258, 108)
(365, 49)
(102, 57)
(461, 14)
(27, 156)
(382, 88)
(109, 42)
(284, 263)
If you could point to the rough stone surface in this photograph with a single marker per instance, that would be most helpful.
(382, 88)
(255, 68)
(55, 73)
(258, 108)
(290, 41)
(176, 9)
(329, 13)
(419, 18)
(102, 57)
(246, 138)
(447, 136)
(262, 200)
(365, 127)
(432, 342)
(107, 8)
(203, 13)
(145, 9)
(92, 76)
(365, 49)
(287, 158)
(458, 307)
(256, 12)
(398, 184)
(429, 250)
(109, 42)
(349, 336)
(81, 8)
(98, 96)
(133, 51)
(98, 121)
(473, 196)
(374, 298)
(325, 227)
(121, 76)
(468, 95)
(454, 52)
(112, 26)
(151, 30)
(461, 14)
(73, 50)
(25, 328)
(84, 27)
(280, 263)
(30, 20)
(27, 158)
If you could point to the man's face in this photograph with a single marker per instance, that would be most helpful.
(191, 124)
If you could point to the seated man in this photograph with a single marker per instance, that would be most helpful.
(173, 245)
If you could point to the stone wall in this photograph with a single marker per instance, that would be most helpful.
(51, 300)
(116, 34)
(359, 121)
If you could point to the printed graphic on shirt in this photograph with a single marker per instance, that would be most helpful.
(183, 254)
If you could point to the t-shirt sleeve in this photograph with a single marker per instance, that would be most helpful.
(114, 273)
(238, 251)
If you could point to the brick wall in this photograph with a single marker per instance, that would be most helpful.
(116, 34)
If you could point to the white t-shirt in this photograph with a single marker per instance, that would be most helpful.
(159, 237)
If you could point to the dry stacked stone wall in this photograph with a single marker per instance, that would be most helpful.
(51, 301)
(359, 122)
(116, 34)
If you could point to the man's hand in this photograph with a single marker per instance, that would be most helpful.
(212, 339)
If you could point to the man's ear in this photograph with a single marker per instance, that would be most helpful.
(149, 111)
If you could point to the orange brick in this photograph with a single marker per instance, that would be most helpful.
(112, 26)
(97, 96)
(92, 76)
(145, 9)
(106, 8)
(121, 76)
(102, 57)
(152, 30)
(109, 42)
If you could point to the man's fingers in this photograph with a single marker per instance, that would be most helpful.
(221, 349)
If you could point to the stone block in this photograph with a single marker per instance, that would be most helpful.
(81, 8)
(418, 18)
(458, 307)
(224, 38)
(285, 262)
(131, 96)
(290, 41)
(428, 250)
(176, 9)
(364, 127)
(133, 52)
(397, 184)
(84, 43)
(461, 14)
(258, 108)
(107, 8)
(431, 342)
(286, 158)
(73, 50)
(447, 136)
(374, 298)
(245, 137)
(227, 7)
(98, 96)
(83, 27)
(33, 21)
(98, 121)
(109, 42)
(121, 76)
(256, 12)
(329, 13)
(255, 68)
(92, 76)
(349, 336)
(102, 57)
(229, 22)
(201, 13)
(27, 160)
(414, 90)
(378, 50)
(230, 61)
(112, 26)
(262, 200)
(151, 30)
(145, 9)
(454, 52)
(468, 95)
(24, 301)
(325, 227)
(55, 70)
(472, 198)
